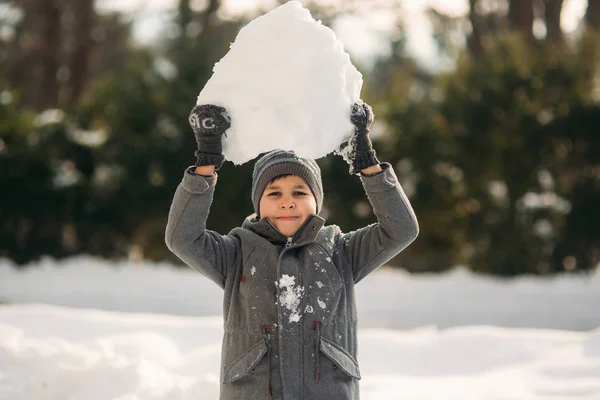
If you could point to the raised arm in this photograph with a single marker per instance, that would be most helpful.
(368, 248)
(371, 247)
(186, 235)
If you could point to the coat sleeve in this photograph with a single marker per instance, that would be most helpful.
(370, 247)
(186, 235)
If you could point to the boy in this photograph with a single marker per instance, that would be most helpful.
(289, 309)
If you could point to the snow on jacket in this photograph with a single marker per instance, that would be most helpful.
(290, 320)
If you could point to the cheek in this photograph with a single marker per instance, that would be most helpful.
(264, 207)
(311, 206)
(261, 208)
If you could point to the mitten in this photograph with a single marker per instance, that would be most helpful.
(209, 123)
(358, 150)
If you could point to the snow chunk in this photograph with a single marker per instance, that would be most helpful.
(253, 271)
(287, 83)
(321, 303)
(319, 284)
(287, 281)
(346, 150)
(290, 296)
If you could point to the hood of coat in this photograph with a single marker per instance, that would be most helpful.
(305, 234)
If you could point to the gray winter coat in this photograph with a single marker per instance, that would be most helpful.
(289, 309)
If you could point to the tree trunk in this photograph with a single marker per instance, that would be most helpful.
(79, 58)
(592, 14)
(552, 12)
(15, 64)
(185, 15)
(474, 41)
(209, 14)
(48, 15)
(520, 18)
(184, 18)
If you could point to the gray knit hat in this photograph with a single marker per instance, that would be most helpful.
(279, 162)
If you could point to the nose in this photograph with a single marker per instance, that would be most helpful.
(286, 204)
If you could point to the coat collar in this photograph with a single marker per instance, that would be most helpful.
(305, 234)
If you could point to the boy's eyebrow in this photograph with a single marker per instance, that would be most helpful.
(275, 187)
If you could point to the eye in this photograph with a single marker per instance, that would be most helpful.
(273, 194)
(299, 194)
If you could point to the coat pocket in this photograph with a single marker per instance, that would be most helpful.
(340, 357)
(242, 365)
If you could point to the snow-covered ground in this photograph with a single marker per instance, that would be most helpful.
(87, 329)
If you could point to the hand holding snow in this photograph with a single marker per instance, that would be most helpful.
(288, 84)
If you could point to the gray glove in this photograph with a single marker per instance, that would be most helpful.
(358, 150)
(209, 123)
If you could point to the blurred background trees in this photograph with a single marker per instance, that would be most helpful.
(499, 152)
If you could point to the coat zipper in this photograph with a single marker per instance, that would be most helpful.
(266, 331)
(289, 242)
(316, 325)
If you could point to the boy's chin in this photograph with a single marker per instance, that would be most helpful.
(287, 232)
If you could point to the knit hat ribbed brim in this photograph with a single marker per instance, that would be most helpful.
(279, 162)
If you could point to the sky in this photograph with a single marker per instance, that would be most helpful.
(87, 329)
(361, 35)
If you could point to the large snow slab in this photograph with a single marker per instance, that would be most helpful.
(288, 84)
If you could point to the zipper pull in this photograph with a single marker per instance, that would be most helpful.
(268, 338)
(266, 331)
(289, 242)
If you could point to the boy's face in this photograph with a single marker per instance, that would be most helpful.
(286, 203)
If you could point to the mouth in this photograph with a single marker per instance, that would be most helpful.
(287, 218)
